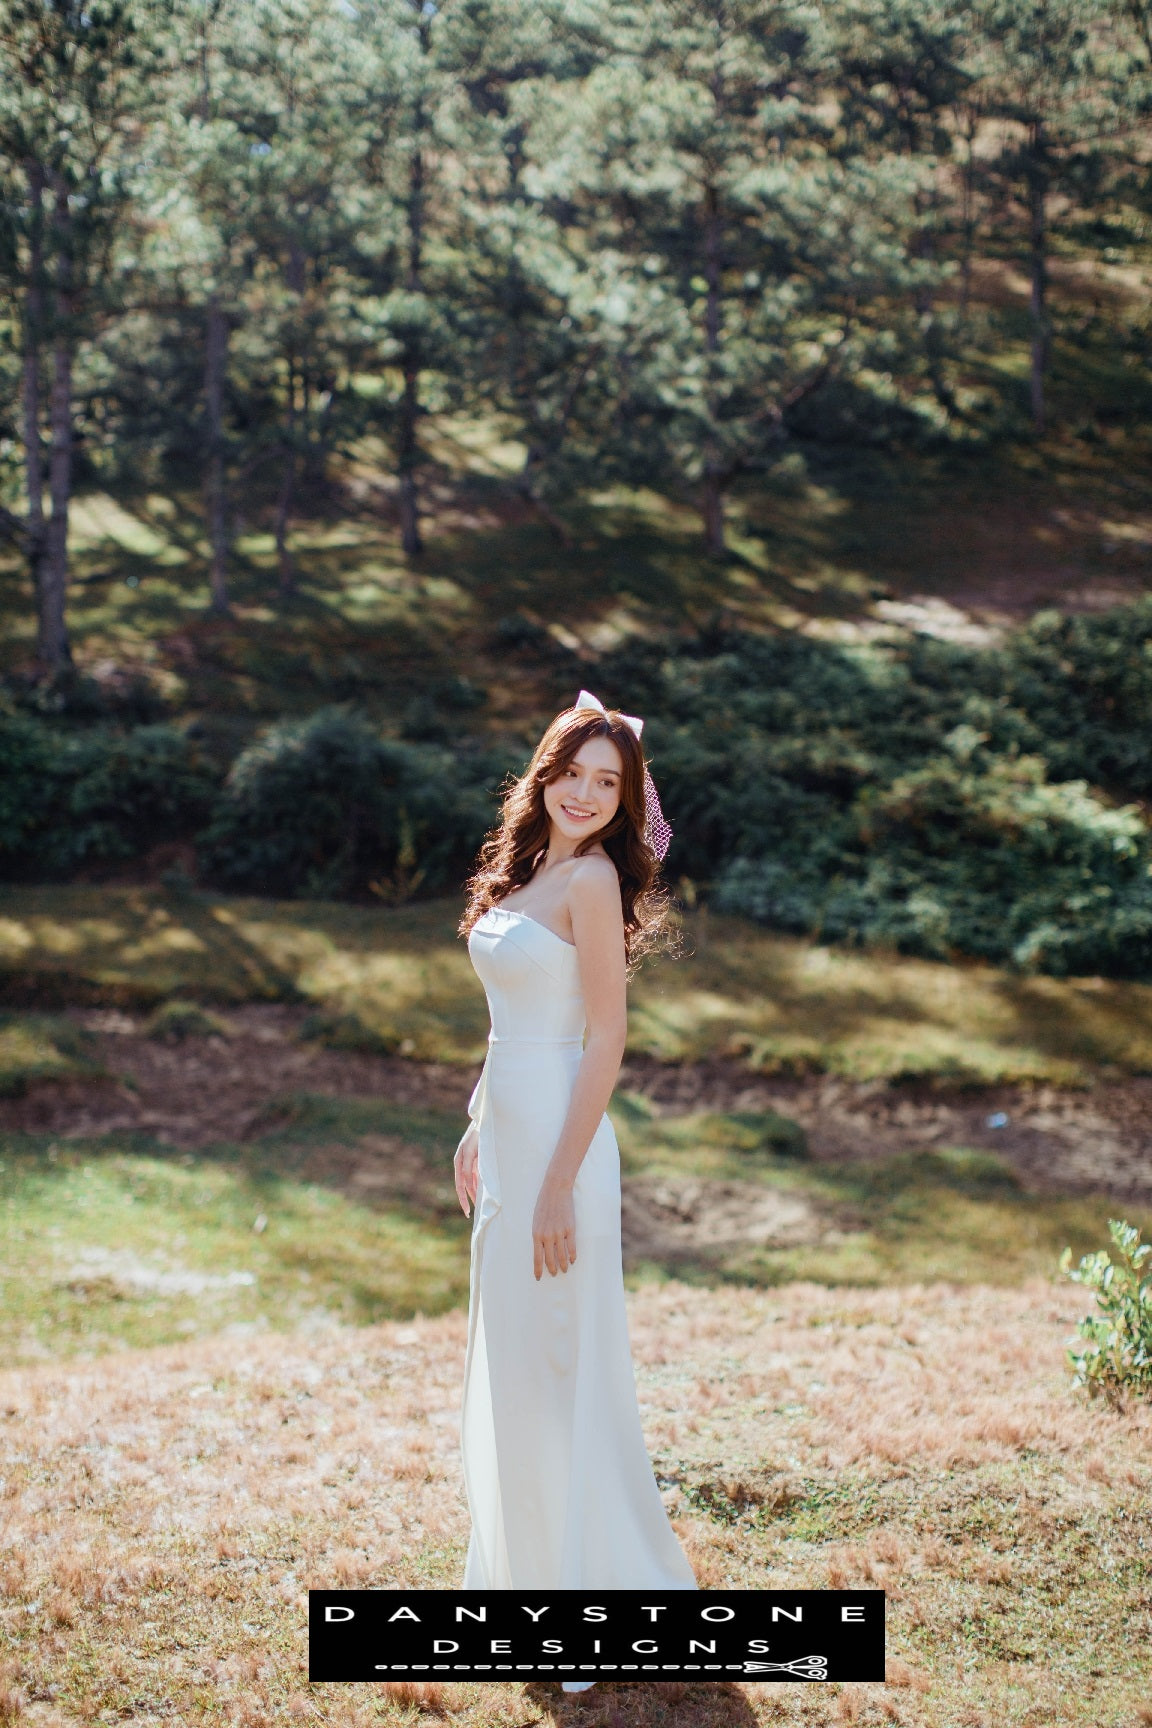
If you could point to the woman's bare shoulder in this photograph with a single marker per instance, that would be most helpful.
(594, 882)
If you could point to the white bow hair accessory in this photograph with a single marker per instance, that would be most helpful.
(657, 833)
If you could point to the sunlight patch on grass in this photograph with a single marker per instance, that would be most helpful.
(740, 992)
(478, 446)
(343, 1209)
(783, 1005)
(117, 1244)
(95, 517)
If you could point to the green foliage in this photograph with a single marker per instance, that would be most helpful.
(934, 799)
(1116, 1353)
(327, 807)
(42, 1047)
(937, 800)
(73, 799)
(1085, 685)
(336, 1031)
(174, 1021)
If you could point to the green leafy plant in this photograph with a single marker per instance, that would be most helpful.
(71, 799)
(176, 1020)
(327, 807)
(1116, 1353)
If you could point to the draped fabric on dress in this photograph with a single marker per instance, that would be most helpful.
(559, 1482)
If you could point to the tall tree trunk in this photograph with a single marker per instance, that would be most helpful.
(1038, 214)
(968, 213)
(410, 537)
(52, 648)
(408, 450)
(712, 508)
(31, 381)
(295, 275)
(924, 247)
(284, 502)
(215, 484)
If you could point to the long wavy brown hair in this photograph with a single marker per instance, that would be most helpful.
(512, 851)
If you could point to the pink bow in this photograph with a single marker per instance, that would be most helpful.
(657, 833)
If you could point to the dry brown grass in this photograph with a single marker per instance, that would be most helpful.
(164, 1512)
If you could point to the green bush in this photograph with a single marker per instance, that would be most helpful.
(176, 1020)
(1115, 1355)
(1085, 685)
(43, 1047)
(70, 799)
(326, 807)
(934, 799)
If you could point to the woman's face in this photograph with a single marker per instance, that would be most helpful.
(586, 794)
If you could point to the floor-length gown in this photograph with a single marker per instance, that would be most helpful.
(559, 1482)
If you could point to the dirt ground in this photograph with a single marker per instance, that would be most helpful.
(206, 1090)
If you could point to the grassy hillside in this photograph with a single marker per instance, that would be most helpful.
(399, 978)
(957, 538)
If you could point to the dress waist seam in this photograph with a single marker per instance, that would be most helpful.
(578, 1039)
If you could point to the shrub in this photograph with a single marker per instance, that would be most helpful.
(1115, 1355)
(923, 796)
(327, 807)
(30, 792)
(136, 791)
(42, 1047)
(1085, 685)
(69, 799)
(176, 1020)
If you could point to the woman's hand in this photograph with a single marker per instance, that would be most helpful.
(465, 1165)
(553, 1229)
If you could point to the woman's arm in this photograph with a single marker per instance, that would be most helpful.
(598, 927)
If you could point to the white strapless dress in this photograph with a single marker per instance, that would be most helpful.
(560, 1486)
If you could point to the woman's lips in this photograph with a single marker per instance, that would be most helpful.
(578, 815)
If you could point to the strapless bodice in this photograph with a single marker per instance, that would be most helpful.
(531, 978)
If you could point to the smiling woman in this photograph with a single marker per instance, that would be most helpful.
(565, 897)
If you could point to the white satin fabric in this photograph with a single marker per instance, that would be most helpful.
(559, 1482)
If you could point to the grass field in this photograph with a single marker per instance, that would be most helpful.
(402, 976)
(923, 1441)
(341, 1209)
(347, 1214)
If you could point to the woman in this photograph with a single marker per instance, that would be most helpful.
(563, 903)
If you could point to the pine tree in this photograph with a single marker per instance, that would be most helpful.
(254, 211)
(525, 326)
(741, 251)
(73, 94)
(902, 79)
(1053, 75)
(408, 265)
